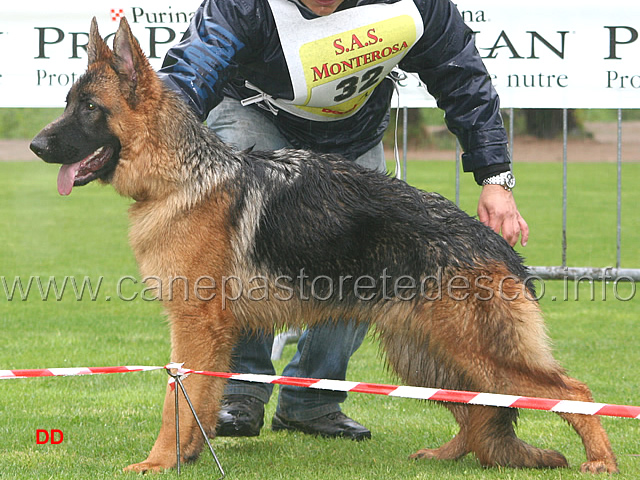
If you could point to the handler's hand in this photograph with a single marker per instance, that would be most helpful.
(497, 209)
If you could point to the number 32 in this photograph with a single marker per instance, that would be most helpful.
(349, 86)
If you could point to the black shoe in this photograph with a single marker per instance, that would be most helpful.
(240, 416)
(332, 425)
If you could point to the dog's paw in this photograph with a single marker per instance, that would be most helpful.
(425, 453)
(146, 467)
(599, 466)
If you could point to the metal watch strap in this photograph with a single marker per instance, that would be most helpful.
(504, 179)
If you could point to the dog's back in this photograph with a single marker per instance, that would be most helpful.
(333, 217)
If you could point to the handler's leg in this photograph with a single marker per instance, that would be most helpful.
(242, 410)
(243, 406)
(324, 352)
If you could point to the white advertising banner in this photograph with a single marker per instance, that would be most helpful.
(542, 54)
(554, 54)
(43, 42)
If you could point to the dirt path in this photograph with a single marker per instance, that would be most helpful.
(15, 150)
(601, 148)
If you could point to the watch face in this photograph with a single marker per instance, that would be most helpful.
(510, 180)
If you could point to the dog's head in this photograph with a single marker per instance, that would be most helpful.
(102, 110)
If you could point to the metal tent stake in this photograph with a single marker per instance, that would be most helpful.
(175, 391)
(177, 377)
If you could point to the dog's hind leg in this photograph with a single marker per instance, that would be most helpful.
(455, 448)
(551, 382)
(504, 350)
(492, 439)
(521, 363)
(488, 433)
(600, 456)
(533, 371)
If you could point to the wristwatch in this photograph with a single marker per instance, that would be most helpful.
(506, 179)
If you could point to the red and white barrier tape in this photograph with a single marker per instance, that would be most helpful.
(422, 393)
(67, 372)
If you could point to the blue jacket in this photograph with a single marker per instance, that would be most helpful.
(230, 41)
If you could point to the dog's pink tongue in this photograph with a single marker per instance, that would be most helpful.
(66, 177)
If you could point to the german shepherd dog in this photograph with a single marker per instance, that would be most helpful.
(449, 299)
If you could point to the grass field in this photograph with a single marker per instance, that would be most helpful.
(110, 421)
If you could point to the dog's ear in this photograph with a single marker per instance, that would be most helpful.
(129, 61)
(97, 49)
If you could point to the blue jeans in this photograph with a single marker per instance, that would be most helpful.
(323, 352)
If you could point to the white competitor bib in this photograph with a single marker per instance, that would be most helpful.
(337, 60)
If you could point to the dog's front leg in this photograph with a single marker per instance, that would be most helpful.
(200, 347)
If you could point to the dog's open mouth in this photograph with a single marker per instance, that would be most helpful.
(84, 171)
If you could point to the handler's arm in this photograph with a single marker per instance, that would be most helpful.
(450, 66)
(201, 64)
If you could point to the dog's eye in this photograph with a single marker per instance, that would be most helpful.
(91, 106)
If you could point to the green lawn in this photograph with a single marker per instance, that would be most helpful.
(110, 421)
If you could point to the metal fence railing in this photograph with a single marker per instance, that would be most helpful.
(562, 272)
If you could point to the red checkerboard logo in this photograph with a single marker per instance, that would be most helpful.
(116, 13)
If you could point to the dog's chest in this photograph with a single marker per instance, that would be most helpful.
(186, 243)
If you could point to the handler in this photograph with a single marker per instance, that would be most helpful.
(314, 74)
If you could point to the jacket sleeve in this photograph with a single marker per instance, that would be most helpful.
(201, 64)
(449, 65)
